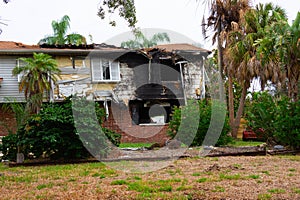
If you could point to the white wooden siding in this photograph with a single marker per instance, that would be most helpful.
(9, 86)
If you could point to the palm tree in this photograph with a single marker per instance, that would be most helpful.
(141, 41)
(60, 36)
(39, 74)
(281, 47)
(241, 58)
(224, 17)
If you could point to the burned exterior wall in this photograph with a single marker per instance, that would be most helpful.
(192, 73)
(125, 89)
(120, 121)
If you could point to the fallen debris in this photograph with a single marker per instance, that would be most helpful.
(237, 151)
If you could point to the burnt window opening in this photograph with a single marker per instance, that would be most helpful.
(168, 71)
(156, 73)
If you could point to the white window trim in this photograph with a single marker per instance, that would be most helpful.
(21, 74)
(96, 79)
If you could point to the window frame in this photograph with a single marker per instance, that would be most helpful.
(96, 79)
(20, 63)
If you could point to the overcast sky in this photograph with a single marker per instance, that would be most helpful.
(30, 21)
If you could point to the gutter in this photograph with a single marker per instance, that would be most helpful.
(61, 51)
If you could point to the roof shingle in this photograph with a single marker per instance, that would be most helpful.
(16, 45)
(180, 46)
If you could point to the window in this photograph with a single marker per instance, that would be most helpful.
(78, 62)
(20, 63)
(105, 70)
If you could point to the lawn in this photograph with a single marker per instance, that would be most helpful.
(260, 177)
(240, 143)
(135, 145)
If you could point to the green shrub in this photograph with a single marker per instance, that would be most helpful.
(112, 136)
(200, 113)
(278, 117)
(52, 133)
(9, 147)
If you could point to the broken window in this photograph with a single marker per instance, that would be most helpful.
(105, 70)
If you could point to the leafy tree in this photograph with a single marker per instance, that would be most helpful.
(125, 8)
(38, 75)
(241, 59)
(141, 41)
(280, 49)
(52, 133)
(278, 117)
(60, 36)
(188, 113)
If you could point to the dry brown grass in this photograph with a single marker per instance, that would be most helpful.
(261, 177)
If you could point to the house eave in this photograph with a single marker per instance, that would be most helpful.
(69, 52)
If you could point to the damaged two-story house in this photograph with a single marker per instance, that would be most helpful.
(137, 88)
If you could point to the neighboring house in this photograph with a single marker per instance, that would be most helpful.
(129, 84)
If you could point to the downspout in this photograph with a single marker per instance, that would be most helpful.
(106, 108)
(204, 80)
(149, 70)
(51, 95)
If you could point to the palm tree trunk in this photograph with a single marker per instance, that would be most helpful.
(220, 63)
(220, 51)
(230, 100)
(293, 83)
(230, 87)
(240, 111)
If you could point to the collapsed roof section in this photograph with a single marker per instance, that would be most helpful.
(176, 52)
